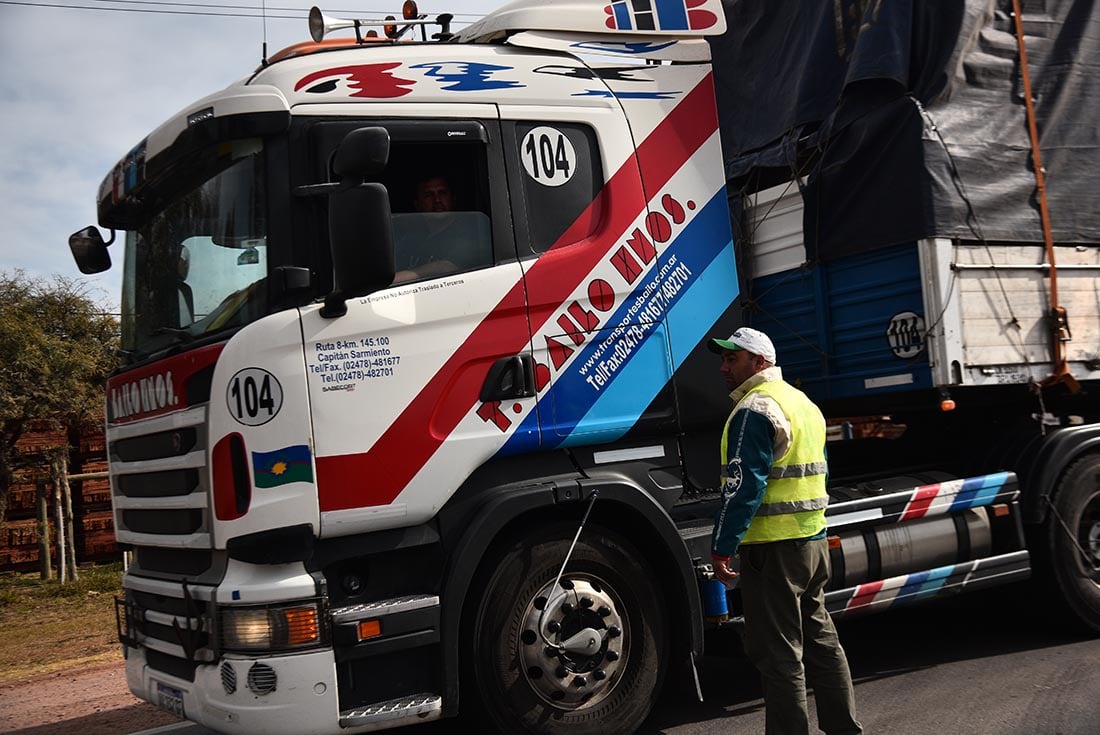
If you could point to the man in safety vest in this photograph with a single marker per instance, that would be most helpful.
(773, 512)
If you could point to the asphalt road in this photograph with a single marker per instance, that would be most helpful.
(981, 664)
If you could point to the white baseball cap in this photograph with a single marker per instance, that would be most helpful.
(747, 339)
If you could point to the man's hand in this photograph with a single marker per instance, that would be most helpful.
(723, 572)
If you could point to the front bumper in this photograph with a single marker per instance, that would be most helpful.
(299, 692)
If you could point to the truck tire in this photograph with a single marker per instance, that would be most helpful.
(1071, 552)
(523, 684)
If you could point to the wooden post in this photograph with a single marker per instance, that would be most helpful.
(67, 497)
(60, 515)
(66, 550)
(78, 538)
(45, 569)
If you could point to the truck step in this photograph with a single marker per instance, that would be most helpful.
(408, 710)
(381, 608)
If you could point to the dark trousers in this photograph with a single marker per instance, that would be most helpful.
(790, 637)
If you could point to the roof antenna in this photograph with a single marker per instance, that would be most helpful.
(263, 52)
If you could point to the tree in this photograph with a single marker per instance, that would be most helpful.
(56, 348)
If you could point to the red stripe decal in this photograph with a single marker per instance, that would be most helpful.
(377, 477)
(865, 595)
(157, 388)
(918, 504)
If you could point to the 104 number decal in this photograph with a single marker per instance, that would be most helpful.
(548, 156)
(254, 396)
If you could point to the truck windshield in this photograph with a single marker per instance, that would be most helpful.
(197, 266)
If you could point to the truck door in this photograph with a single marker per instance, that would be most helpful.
(575, 173)
(680, 156)
(620, 231)
(393, 382)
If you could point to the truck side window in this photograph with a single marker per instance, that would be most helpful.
(561, 173)
(440, 201)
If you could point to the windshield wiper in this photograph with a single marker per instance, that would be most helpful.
(183, 334)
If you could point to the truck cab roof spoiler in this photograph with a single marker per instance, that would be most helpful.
(669, 19)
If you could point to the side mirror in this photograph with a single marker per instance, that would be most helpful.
(363, 152)
(360, 232)
(361, 237)
(90, 251)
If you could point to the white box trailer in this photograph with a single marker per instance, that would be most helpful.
(977, 313)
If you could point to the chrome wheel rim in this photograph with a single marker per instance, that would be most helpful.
(570, 680)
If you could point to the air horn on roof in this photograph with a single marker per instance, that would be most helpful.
(321, 25)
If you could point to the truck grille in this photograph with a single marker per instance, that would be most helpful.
(161, 500)
(173, 622)
(170, 443)
(159, 482)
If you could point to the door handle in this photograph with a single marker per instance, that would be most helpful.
(508, 378)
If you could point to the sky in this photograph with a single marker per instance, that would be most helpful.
(80, 87)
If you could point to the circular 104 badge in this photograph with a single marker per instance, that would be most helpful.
(548, 156)
(254, 396)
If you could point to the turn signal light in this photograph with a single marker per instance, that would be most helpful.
(834, 542)
(369, 629)
(302, 627)
(409, 10)
(390, 30)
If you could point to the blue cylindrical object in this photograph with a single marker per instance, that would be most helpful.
(714, 599)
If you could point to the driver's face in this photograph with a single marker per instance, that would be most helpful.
(434, 195)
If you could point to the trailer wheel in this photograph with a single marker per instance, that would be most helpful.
(1072, 534)
(607, 682)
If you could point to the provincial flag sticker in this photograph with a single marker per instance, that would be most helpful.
(283, 466)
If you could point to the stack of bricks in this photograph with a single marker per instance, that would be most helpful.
(92, 521)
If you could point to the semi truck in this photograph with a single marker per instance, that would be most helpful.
(376, 463)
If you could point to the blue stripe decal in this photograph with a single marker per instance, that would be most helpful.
(620, 403)
(619, 371)
(700, 307)
(672, 15)
(993, 485)
(922, 584)
(622, 17)
(619, 47)
(643, 372)
(977, 491)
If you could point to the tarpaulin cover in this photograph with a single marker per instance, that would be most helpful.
(907, 117)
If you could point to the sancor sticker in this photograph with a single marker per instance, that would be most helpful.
(254, 396)
(548, 156)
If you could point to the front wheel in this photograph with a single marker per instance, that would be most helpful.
(1072, 540)
(584, 657)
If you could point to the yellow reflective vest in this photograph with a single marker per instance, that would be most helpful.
(794, 496)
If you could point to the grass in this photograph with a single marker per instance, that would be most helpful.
(46, 626)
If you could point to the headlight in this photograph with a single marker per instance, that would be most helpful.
(273, 628)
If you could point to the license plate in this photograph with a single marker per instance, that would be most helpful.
(170, 699)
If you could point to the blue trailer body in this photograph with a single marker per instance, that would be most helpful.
(849, 327)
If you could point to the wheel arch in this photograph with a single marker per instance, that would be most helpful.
(1042, 470)
(621, 507)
